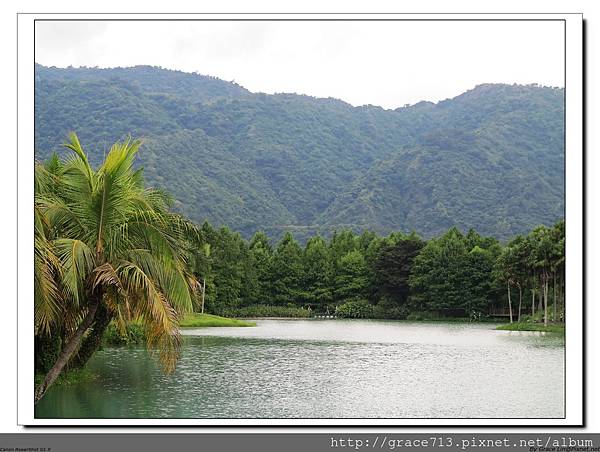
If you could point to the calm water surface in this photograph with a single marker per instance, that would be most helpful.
(328, 369)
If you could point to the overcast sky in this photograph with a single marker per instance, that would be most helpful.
(381, 63)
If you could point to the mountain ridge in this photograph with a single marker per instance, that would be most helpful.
(274, 161)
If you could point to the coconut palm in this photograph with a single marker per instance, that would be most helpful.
(106, 248)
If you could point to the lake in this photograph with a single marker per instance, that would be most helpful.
(328, 369)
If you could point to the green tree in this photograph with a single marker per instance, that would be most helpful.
(504, 272)
(286, 273)
(229, 257)
(479, 293)
(393, 266)
(452, 274)
(519, 263)
(543, 261)
(317, 273)
(341, 244)
(261, 255)
(436, 279)
(558, 261)
(206, 256)
(351, 280)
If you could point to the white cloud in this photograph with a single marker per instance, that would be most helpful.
(387, 63)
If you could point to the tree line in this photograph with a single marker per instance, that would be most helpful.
(398, 276)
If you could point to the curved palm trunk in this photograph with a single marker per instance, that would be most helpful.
(68, 350)
(93, 340)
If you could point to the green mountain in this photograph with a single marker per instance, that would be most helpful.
(491, 158)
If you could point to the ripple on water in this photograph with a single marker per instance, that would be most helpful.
(339, 369)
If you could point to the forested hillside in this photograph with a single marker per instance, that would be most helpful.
(491, 158)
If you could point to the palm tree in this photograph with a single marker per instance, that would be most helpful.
(206, 252)
(106, 247)
(504, 272)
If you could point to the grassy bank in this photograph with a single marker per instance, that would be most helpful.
(135, 334)
(205, 320)
(528, 326)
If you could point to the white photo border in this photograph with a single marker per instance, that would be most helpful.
(574, 275)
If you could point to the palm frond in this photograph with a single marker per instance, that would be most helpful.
(74, 145)
(47, 295)
(77, 261)
(159, 317)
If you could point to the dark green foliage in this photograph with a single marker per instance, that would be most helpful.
(358, 308)
(390, 309)
(351, 276)
(393, 266)
(260, 255)
(425, 316)
(47, 349)
(231, 274)
(452, 275)
(134, 334)
(269, 311)
(317, 273)
(365, 276)
(480, 290)
(491, 159)
(286, 271)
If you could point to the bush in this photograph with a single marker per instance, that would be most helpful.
(268, 311)
(47, 349)
(358, 308)
(389, 309)
(134, 334)
(526, 318)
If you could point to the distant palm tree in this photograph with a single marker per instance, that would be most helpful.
(206, 251)
(105, 244)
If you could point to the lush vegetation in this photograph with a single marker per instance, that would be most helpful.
(400, 276)
(132, 333)
(491, 159)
